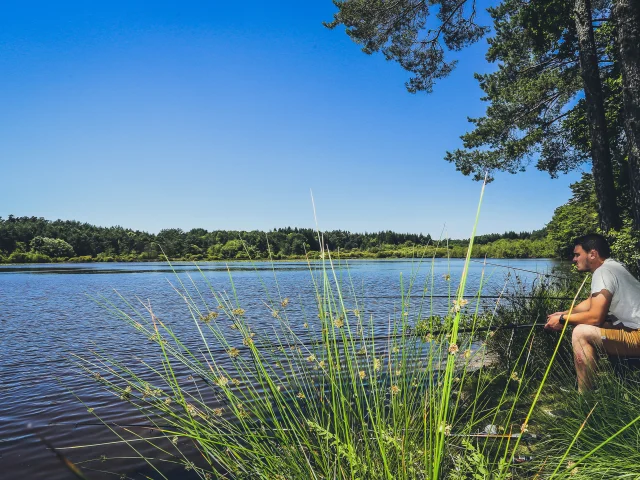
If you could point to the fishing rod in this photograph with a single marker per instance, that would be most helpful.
(564, 277)
(110, 424)
(464, 296)
(524, 436)
(312, 343)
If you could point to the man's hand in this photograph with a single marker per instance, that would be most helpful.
(553, 322)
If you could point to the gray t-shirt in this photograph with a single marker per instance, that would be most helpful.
(625, 304)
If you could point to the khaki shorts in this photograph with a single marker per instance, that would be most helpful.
(620, 340)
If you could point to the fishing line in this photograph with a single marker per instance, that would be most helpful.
(564, 277)
(463, 296)
(364, 340)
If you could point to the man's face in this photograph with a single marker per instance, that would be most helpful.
(581, 259)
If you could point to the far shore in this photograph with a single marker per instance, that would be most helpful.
(275, 260)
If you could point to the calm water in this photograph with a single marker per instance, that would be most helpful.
(46, 314)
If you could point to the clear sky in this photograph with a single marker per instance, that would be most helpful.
(224, 115)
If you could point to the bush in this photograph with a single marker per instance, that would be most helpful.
(148, 256)
(51, 247)
(81, 259)
(17, 257)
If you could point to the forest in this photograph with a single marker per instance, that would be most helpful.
(36, 240)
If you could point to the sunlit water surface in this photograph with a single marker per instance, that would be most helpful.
(47, 313)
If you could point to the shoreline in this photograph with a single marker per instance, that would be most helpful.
(274, 260)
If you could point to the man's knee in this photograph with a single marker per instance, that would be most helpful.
(589, 334)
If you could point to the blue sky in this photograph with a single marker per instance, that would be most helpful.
(224, 115)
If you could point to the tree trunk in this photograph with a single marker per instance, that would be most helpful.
(594, 98)
(627, 16)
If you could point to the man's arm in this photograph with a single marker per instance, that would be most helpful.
(595, 314)
(583, 306)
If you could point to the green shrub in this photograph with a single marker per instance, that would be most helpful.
(148, 256)
(17, 257)
(51, 247)
(81, 259)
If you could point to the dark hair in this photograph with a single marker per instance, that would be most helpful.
(594, 241)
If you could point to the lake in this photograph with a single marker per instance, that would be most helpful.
(48, 312)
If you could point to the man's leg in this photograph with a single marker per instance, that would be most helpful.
(621, 342)
(586, 339)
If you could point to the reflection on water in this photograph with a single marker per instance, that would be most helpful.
(47, 312)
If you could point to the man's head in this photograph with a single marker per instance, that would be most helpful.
(590, 252)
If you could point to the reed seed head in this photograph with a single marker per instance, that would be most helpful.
(377, 364)
(459, 304)
(126, 394)
(210, 316)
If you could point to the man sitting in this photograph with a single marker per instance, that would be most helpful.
(610, 318)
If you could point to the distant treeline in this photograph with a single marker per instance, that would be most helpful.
(32, 239)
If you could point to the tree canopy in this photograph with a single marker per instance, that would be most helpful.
(414, 33)
(564, 91)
